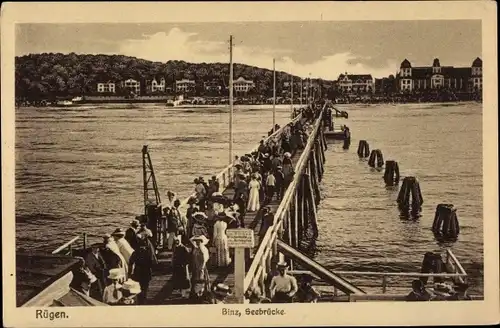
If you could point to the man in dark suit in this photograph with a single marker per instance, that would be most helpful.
(131, 234)
(97, 266)
(241, 188)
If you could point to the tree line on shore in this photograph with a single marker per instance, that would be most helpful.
(52, 75)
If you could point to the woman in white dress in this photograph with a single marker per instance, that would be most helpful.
(123, 244)
(253, 198)
(222, 258)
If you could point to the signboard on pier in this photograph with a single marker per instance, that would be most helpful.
(240, 238)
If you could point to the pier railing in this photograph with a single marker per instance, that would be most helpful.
(261, 263)
(453, 266)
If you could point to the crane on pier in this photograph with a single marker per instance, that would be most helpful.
(152, 204)
(149, 180)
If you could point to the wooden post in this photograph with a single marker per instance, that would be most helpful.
(307, 202)
(315, 190)
(240, 239)
(239, 274)
(302, 212)
(85, 243)
(314, 216)
(289, 226)
(295, 227)
(319, 160)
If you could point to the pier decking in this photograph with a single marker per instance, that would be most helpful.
(160, 288)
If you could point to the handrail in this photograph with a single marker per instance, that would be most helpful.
(400, 274)
(272, 232)
(65, 245)
(455, 260)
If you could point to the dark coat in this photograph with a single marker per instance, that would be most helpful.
(141, 265)
(111, 260)
(131, 237)
(97, 266)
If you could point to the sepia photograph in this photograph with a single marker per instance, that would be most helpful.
(237, 162)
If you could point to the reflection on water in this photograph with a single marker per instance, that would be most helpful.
(81, 169)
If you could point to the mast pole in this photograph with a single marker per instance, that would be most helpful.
(230, 99)
(291, 93)
(274, 94)
(301, 89)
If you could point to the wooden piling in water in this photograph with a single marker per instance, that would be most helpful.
(376, 158)
(363, 149)
(391, 174)
(446, 222)
(410, 196)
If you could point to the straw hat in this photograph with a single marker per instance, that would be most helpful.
(115, 274)
(118, 232)
(287, 155)
(222, 290)
(266, 155)
(201, 238)
(132, 286)
(200, 216)
(134, 223)
(282, 265)
(106, 236)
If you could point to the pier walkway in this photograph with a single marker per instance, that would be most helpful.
(161, 289)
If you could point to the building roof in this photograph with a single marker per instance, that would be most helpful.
(242, 80)
(477, 62)
(35, 272)
(185, 81)
(405, 64)
(355, 77)
(421, 72)
(447, 71)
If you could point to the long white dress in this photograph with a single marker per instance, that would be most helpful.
(111, 244)
(253, 199)
(220, 242)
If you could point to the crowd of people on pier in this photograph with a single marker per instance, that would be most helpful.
(118, 270)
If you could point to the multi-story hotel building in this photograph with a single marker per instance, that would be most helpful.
(466, 79)
(242, 86)
(355, 83)
(185, 86)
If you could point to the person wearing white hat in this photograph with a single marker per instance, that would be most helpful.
(112, 293)
(220, 292)
(200, 256)
(130, 289)
(283, 286)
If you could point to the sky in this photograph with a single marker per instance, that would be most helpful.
(321, 49)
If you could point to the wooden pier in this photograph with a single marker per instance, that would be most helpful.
(295, 224)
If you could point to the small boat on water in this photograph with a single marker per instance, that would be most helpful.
(66, 103)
